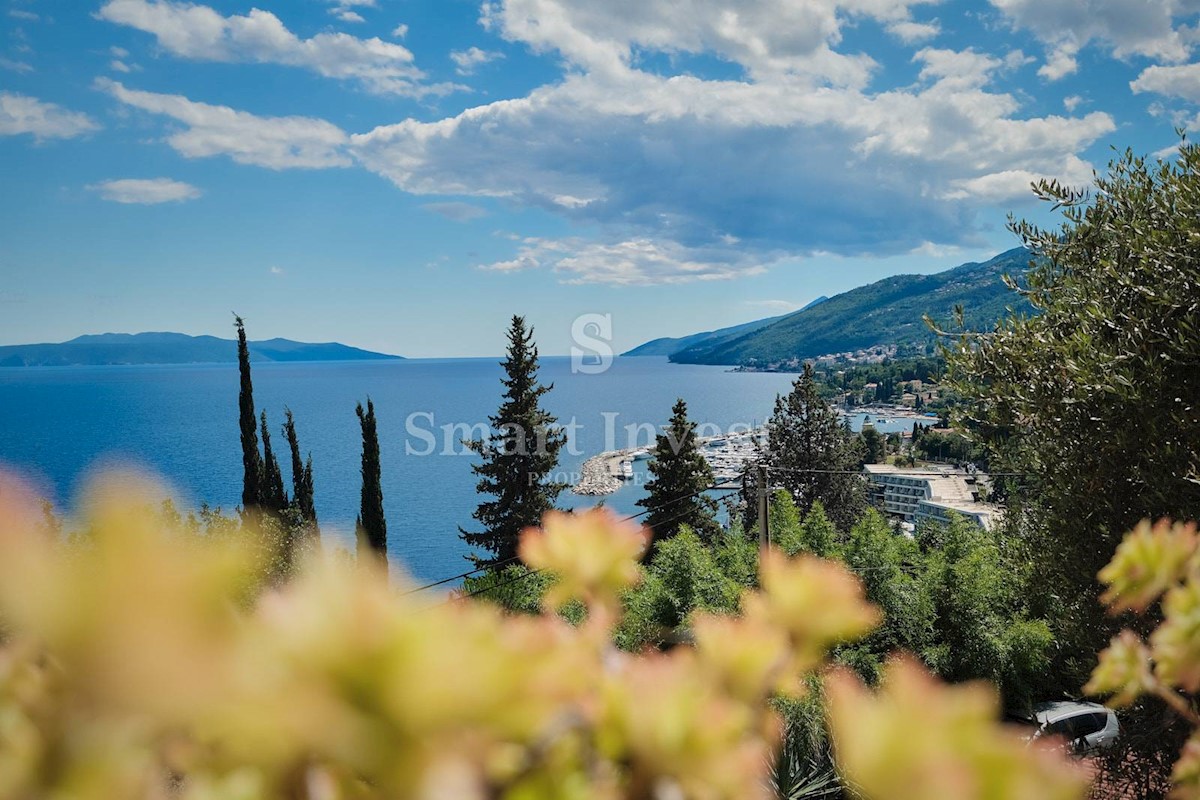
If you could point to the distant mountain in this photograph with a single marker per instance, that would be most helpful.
(887, 312)
(669, 346)
(171, 348)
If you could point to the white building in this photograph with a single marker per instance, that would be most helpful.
(929, 493)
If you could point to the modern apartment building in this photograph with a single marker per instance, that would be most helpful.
(929, 493)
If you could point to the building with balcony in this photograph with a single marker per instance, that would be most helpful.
(929, 493)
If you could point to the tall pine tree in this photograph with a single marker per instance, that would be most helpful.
(273, 496)
(518, 457)
(371, 526)
(302, 478)
(251, 463)
(675, 494)
(813, 456)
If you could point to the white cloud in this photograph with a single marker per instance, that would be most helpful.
(632, 262)
(1182, 81)
(15, 66)
(22, 14)
(272, 142)
(467, 60)
(400, 31)
(766, 37)
(1167, 153)
(146, 191)
(933, 250)
(119, 66)
(1072, 102)
(780, 306)
(1127, 27)
(23, 114)
(278, 271)
(458, 212)
(346, 15)
(1060, 61)
(799, 169)
(959, 68)
(201, 33)
(118, 52)
(1010, 184)
(685, 178)
(911, 32)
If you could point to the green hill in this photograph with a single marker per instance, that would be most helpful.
(670, 345)
(887, 312)
(170, 348)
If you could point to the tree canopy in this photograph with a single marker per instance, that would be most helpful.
(517, 459)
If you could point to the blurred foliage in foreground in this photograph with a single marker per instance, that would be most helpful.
(143, 662)
(1157, 565)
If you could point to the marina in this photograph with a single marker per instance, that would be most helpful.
(727, 455)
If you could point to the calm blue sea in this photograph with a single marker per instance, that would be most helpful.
(57, 424)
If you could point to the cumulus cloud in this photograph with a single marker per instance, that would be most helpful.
(201, 33)
(766, 37)
(1060, 61)
(632, 262)
(911, 32)
(146, 191)
(777, 166)
(1126, 27)
(1181, 81)
(400, 31)
(685, 178)
(23, 114)
(272, 142)
(468, 60)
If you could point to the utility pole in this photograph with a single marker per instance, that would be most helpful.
(764, 531)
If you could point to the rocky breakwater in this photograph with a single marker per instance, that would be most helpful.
(603, 474)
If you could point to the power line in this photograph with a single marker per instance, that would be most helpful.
(466, 574)
(494, 586)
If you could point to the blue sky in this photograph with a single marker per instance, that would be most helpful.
(403, 175)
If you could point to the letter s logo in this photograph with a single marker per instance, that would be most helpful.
(591, 353)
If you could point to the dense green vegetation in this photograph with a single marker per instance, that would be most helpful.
(680, 474)
(371, 526)
(883, 313)
(812, 455)
(251, 460)
(669, 345)
(302, 478)
(1095, 401)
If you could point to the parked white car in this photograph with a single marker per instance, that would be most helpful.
(1086, 727)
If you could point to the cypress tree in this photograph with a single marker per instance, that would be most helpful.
(680, 474)
(517, 458)
(273, 496)
(302, 480)
(371, 526)
(813, 456)
(251, 464)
